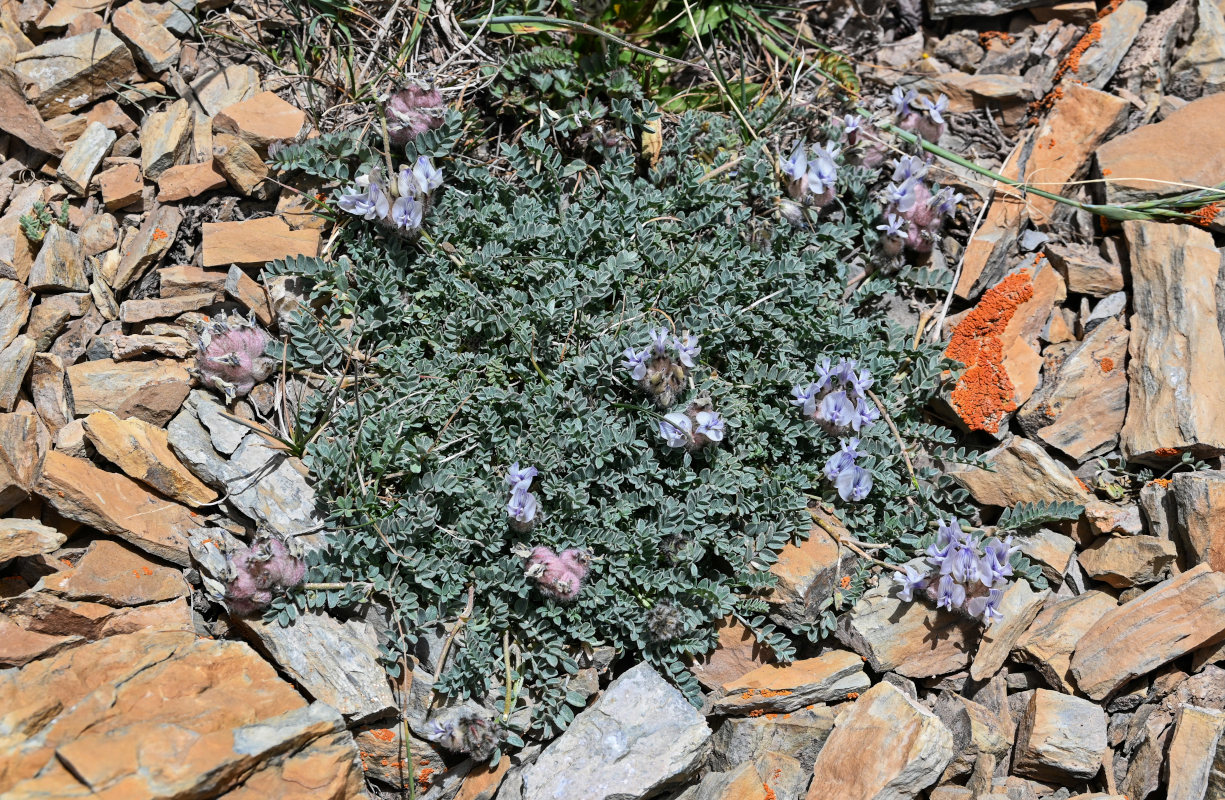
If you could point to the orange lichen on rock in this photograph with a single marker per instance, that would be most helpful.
(852, 695)
(1071, 63)
(984, 394)
(1083, 485)
(757, 712)
(383, 734)
(423, 779)
(774, 692)
(985, 38)
(846, 581)
(1107, 364)
(1204, 216)
(1166, 451)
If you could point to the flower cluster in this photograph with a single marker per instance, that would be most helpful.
(399, 204)
(661, 369)
(913, 214)
(838, 399)
(961, 573)
(811, 176)
(559, 576)
(693, 428)
(522, 506)
(230, 356)
(921, 115)
(259, 572)
(852, 481)
(412, 111)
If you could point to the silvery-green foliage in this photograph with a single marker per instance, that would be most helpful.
(498, 338)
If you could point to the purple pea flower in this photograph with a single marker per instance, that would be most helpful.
(822, 172)
(845, 371)
(710, 425)
(893, 226)
(659, 341)
(365, 199)
(838, 463)
(909, 579)
(853, 483)
(947, 542)
(676, 429)
(522, 505)
(805, 398)
(824, 373)
(860, 381)
(901, 99)
(946, 200)
(796, 165)
(949, 594)
(516, 476)
(987, 608)
(994, 566)
(687, 348)
(636, 362)
(865, 414)
(426, 176)
(406, 213)
(902, 195)
(908, 167)
(962, 565)
(935, 109)
(837, 409)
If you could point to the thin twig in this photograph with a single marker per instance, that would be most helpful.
(459, 624)
(884, 412)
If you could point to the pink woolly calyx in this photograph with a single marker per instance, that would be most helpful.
(559, 576)
(257, 573)
(231, 357)
(463, 729)
(412, 111)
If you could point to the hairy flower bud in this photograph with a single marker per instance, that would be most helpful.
(559, 576)
(230, 356)
(411, 112)
(268, 567)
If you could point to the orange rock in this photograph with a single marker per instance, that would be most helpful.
(188, 180)
(24, 443)
(149, 390)
(807, 571)
(19, 647)
(736, 654)
(255, 242)
(117, 575)
(117, 505)
(121, 186)
(261, 120)
(483, 781)
(142, 452)
(826, 678)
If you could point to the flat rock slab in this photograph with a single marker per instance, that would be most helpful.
(737, 653)
(142, 452)
(72, 72)
(27, 537)
(117, 505)
(1199, 516)
(255, 242)
(24, 443)
(1123, 561)
(148, 390)
(1194, 749)
(827, 678)
(117, 575)
(1023, 473)
(799, 734)
(807, 572)
(1177, 352)
(210, 715)
(1166, 622)
(884, 747)
(333, 661)
(1018, 608)
(1159, 159)
(909, 638)
(638, 738)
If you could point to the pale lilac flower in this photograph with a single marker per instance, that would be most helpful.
(406, 213)
(948, 540)
(824, 373)
(852, 123)
(854, 483)
(865, 414)
(860, 381)
(710, 425)
(805, 398)
(676, 429)
(909, 579)
(908, 167)
(516, 476)
(845, 371)
(426, 176)
(838, 463)
(987, 608)
(949, 594)
(994, 567)
(893, 226)
(902, 195)
(901, 99)
(365, 199)
(935, 109)
(636, 362)
(946, 200)
(837, 408)
(522, 505)
(659, 341)
(796, 166)
(405, 185)
(962, 565)
(822, 172)
(687, 348)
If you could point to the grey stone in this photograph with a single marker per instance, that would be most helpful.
(217, 89)
(1051, 638)
(640, 737)
(83, 158)
(1195, 755)
(74, 71)
(1123, 561)
(800, 734)
(780, 774)
(1201, 68)
(331, 661)
(60, 265)
(1157, 506)
(1050, 550)
(14, 363)
(1118, 31)
(1199, 516)
(1018, 608)
(165, 138)
(1109, 307)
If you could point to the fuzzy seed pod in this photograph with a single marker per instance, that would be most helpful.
(558, 576)
(412, 111)
(259, 572)
(463, 730)
(665, 622)
(231, 357)
(664, 381)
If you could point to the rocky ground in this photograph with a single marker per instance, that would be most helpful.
(122, 478)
